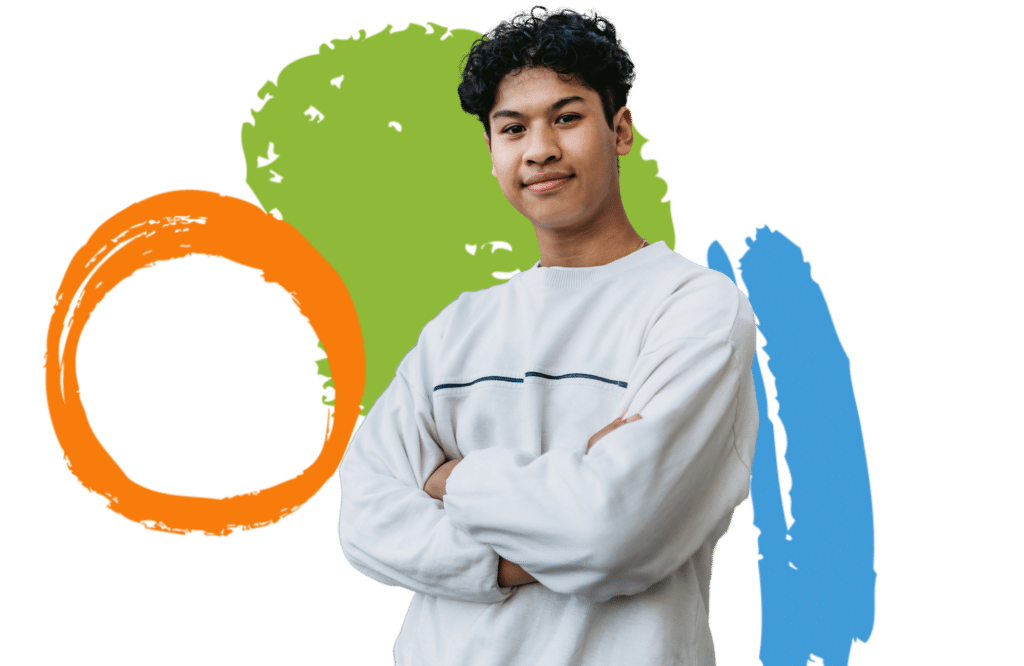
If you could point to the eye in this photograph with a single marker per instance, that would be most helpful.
(568, 118)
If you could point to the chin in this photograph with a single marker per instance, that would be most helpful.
(553, 216)
(555, 221)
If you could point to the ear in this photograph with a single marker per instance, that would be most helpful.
(623, 123)
(488, 142)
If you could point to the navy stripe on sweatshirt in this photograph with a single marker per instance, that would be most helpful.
(518, 380)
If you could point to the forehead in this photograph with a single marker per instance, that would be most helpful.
(535, 89)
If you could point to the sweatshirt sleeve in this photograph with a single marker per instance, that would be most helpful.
(391, 529)
(650, 493)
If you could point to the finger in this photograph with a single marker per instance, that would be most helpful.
(604, 431)
(611, 426)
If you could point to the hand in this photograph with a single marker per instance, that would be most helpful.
(608, 428)
(438, 481)
(510, 573)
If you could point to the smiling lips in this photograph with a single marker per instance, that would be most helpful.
(546, 185)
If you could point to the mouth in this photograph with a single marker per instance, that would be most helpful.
(547, 185)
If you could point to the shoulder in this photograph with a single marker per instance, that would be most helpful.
(701, 303)
(469, 311)
(446, 327)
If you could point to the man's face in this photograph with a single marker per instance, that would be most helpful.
(542, 125)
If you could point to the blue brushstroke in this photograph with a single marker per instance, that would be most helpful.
(829, 598)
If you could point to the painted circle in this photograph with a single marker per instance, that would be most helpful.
(168, 226)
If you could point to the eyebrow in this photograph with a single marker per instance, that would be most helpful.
(508, 113)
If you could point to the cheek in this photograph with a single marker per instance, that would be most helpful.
(507, 177)
(598, 144)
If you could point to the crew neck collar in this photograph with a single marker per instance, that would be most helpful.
(569, 277)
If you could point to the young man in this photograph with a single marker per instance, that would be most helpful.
(483, 480)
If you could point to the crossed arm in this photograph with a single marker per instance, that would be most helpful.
(509, 573)
(580, 525)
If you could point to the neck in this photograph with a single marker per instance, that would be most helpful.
(588, 247)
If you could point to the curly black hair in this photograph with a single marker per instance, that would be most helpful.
(566, 42)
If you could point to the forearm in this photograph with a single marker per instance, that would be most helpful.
(390, 529)
(545, 532)
(411, 543)
(509, 573)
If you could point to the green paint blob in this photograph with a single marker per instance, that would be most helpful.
(377, 165)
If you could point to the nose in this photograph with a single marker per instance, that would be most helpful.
(543, 146)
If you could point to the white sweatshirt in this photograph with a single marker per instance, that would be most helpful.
(515, 379)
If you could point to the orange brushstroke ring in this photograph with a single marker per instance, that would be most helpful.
(168, 226)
